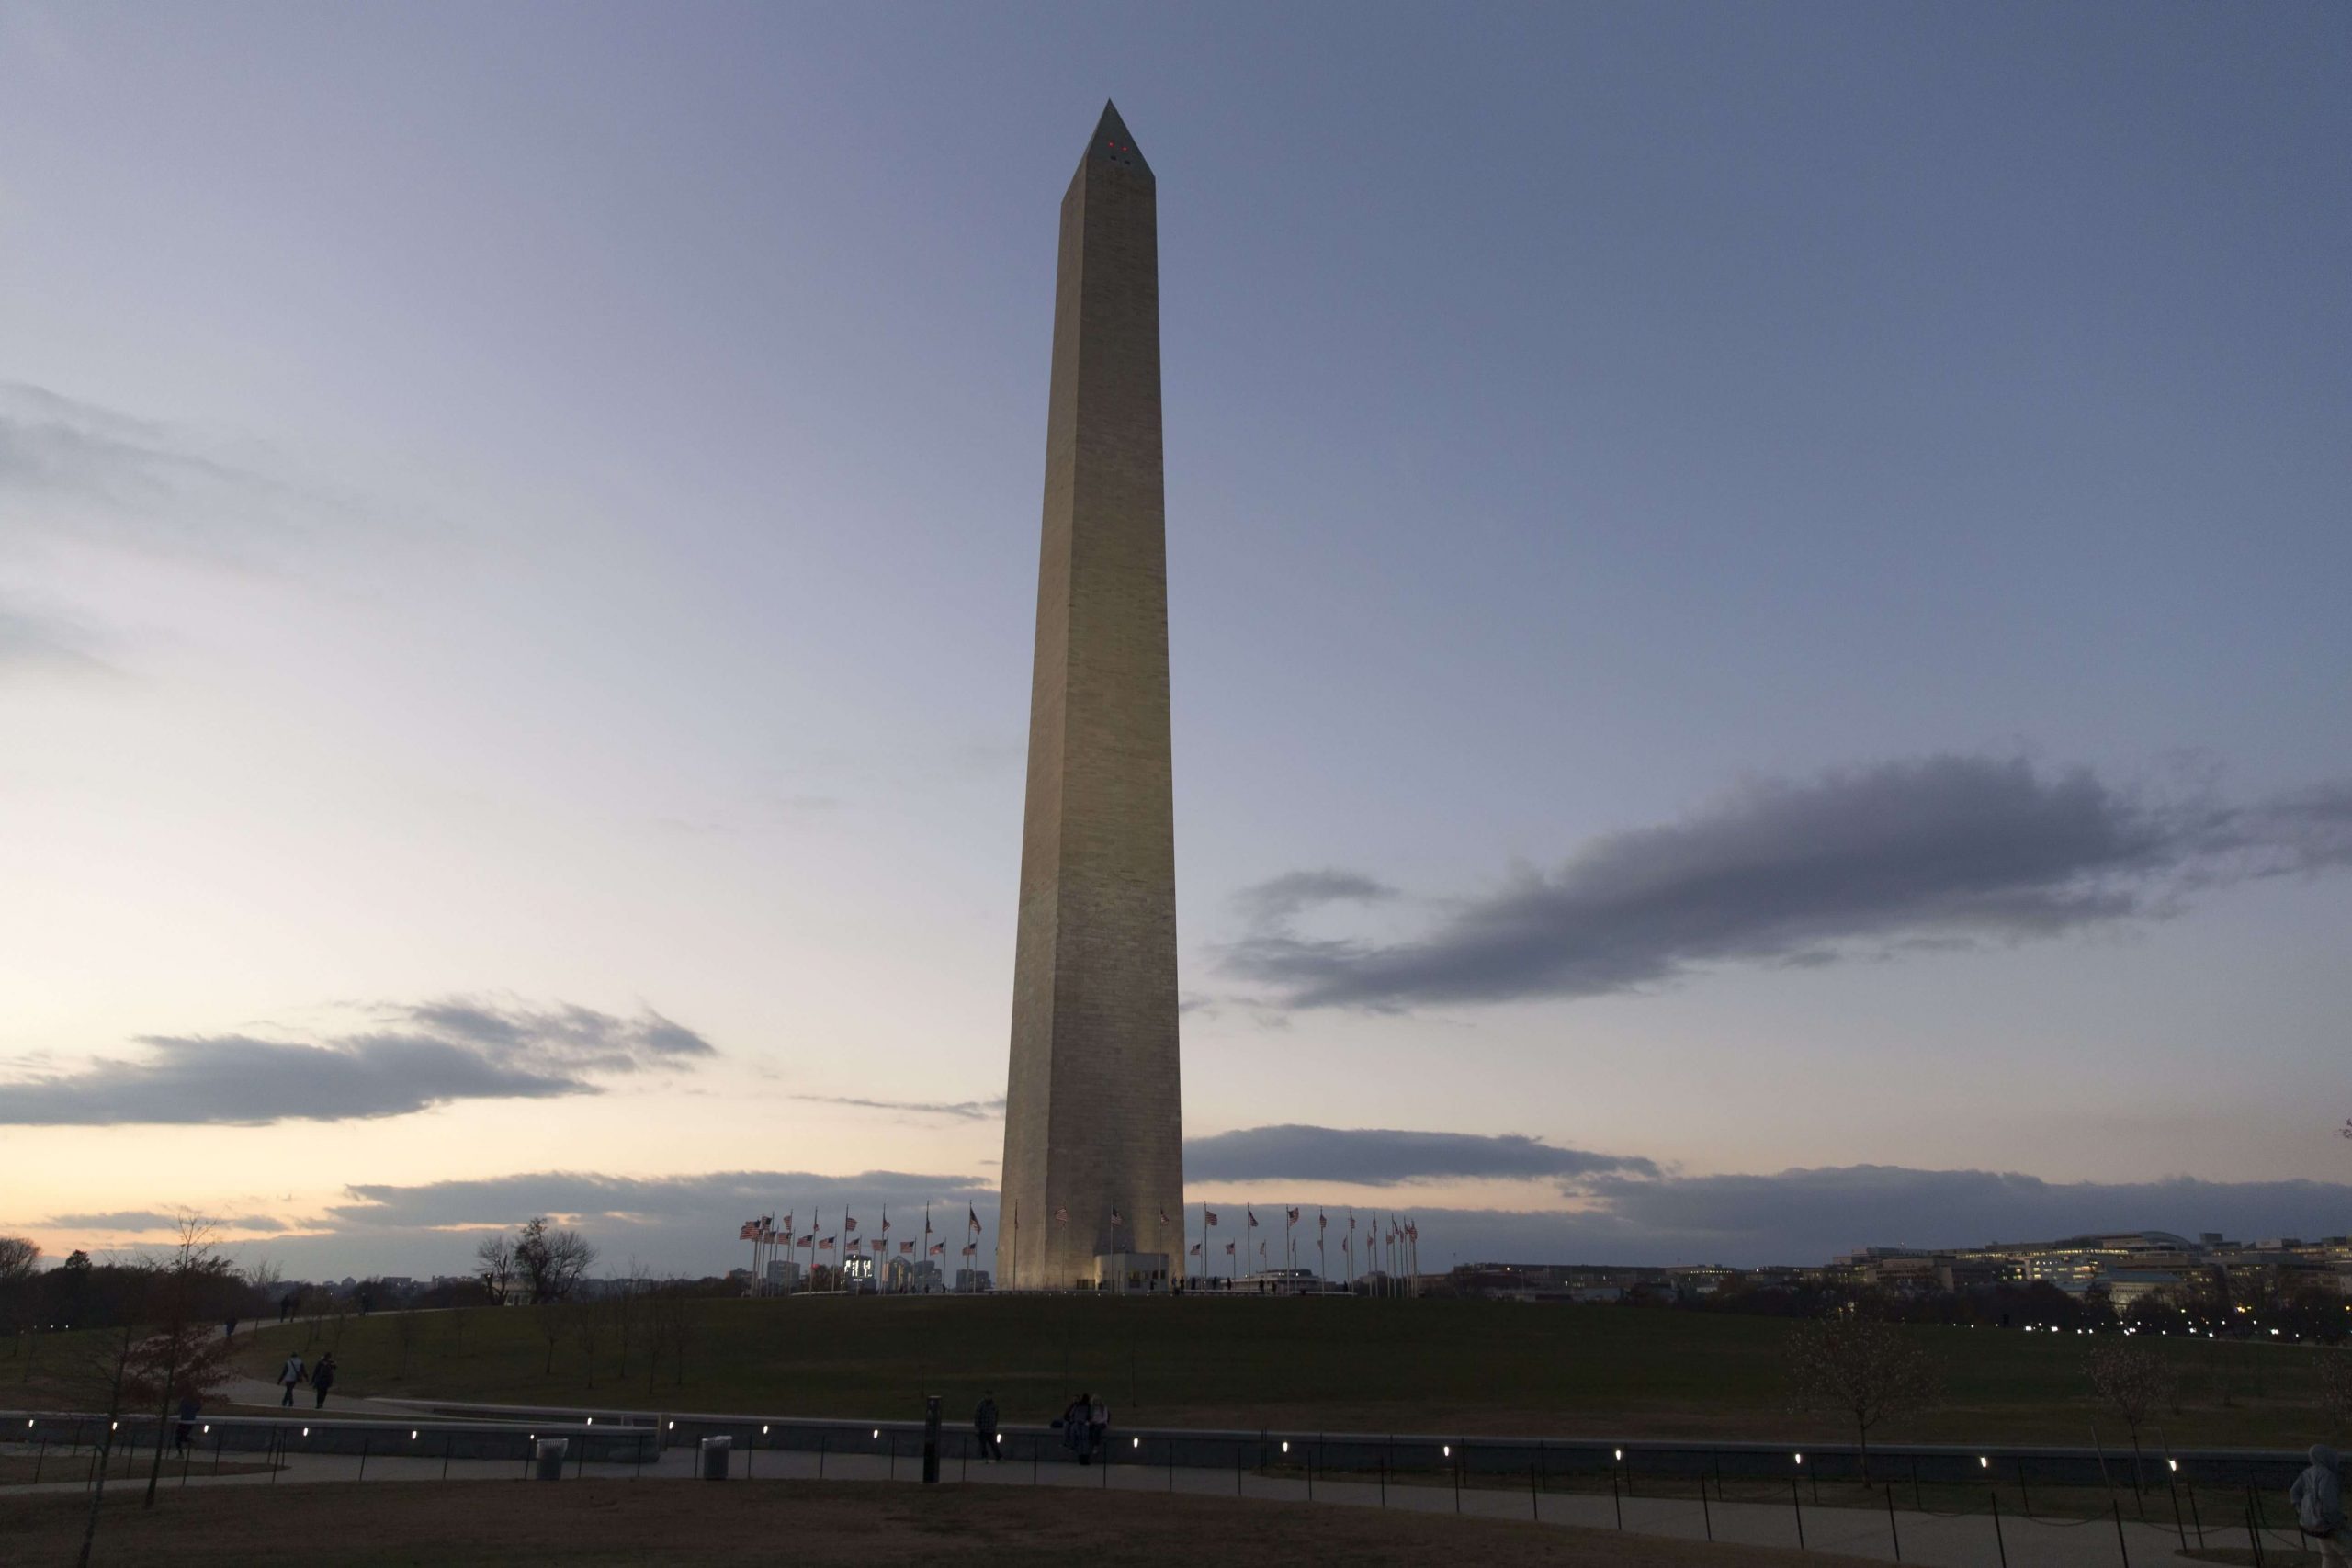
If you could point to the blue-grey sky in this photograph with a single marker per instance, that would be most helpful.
(1757, 611)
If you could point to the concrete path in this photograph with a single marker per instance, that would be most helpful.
(1935, 1541)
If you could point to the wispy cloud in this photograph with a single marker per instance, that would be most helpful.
(130, 1221)
(1938, 850)
(714, 1202)
(434, 1053)
(956, 1110)
(1382, 1157)
(69, 469)
(36, 640)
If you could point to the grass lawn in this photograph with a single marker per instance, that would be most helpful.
(1330, 1364)
(488, 1523)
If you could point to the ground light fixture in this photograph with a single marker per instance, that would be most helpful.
(411, 1434)
(1800, 1459)
(1285, 1446)
(1984, 1461)
(764, 1431)
(1621, 1456)
(306, 1431)
(1137, 1442)
(2174, 1464)
(1446, 1452)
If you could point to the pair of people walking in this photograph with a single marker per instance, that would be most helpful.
(292, 1376)
(1084, 1424)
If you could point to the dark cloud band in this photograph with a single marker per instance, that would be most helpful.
(1933, 851)
(1382, 1157)
(434, 1052)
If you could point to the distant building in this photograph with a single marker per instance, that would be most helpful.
(971, 1281)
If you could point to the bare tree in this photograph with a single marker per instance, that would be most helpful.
(551, 1326)
(2135, 1381)
(628, 1309)
(589, 1321)
(672, 1327)
(162, 1351)
(181, 1356)
(550, 1263)
(495, 1265)
(18, 1259)
(2335, 1386)
(404, 1335)
(1863, 1369)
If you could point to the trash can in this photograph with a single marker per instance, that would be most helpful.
(714, 1456)
(549, 1455)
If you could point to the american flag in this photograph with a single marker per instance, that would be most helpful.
(786, 1227)
(880, 1245)
(848, 1225)
(905, 1247)
(970, 1250)
(1115, 1219)
(1163, 1216)
(809, 1240)
(1228, 1249)
(1208, 1214)
(1322, 1220)
(1291, 1215)
(971, 1218)
(1061, 1216)
(1196, 1249)
(827, 1244)
(749, 1232)
(937, 1248)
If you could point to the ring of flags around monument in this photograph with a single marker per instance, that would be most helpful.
(1395, 1246)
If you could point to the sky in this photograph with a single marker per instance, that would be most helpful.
(1756, 613)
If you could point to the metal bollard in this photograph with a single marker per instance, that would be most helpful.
(931, 1441)
(715, 1452)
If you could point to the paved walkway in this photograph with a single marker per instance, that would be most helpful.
(1937, 1541)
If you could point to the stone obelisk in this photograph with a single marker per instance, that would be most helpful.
(1092, 1118)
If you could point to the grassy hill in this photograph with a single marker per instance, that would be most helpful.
(1331, 1363)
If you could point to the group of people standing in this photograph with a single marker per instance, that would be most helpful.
(1084, 1423)
(293, 1375)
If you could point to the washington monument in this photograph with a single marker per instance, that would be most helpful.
(1092, 1120)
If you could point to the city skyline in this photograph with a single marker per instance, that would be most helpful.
(1757, 665)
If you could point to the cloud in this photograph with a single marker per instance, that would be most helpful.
(1384, 1157)
(714, 1202)
(1803, 1215)
(150, 1219)
(1936, 850)
(33, 640)
(1618, 1214)
(1294, 893)
(959, 1110)
(442, 1050)
(76, 470)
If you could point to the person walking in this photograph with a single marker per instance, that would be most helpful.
(2318, 1497)
(189, 1405)
(1098, 1424)
(322, 1379)
(984, 1426)
(289, 1376)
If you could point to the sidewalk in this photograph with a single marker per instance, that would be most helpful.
(1937, 1541)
